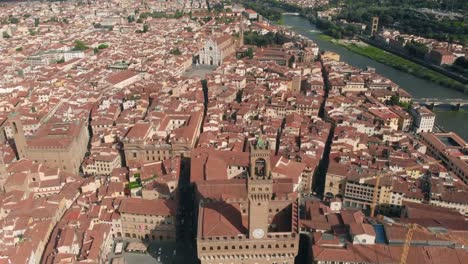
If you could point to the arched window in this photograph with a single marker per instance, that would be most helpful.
(260, 166)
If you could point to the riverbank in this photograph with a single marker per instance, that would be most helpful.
(416, 86)
(396, 62)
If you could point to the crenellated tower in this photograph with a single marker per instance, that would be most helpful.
(18, 134)
(259, 188)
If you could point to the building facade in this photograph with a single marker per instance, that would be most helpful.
(261, 227)
(60, 145)
(451, 149)
(423, 119)
(147, 219)
(215, 50)
(174, 135)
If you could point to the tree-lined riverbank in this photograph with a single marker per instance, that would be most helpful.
(397, 62)
(418, 87)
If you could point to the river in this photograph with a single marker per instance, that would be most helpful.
(419, 88)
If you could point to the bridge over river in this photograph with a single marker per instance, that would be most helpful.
(453, 103)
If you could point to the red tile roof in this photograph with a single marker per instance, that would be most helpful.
(221, 219)
(148, 207)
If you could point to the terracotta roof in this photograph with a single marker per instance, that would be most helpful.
(120, 76)
(148, 207)
(221, 219)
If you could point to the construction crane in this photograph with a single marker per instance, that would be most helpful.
(415, 227)
(407, 243)
(375, 194)
(377, 185)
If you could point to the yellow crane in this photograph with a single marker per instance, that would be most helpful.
(407, 243)
(415, 227)
(375, 194)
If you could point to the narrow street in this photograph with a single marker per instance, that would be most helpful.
(186, 228)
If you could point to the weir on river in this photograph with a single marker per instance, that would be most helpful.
(419, 88)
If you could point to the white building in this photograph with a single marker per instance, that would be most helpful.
(102, 162)
(423, 119)
(215, 50)
(73, 54)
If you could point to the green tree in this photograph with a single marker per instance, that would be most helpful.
(36, 22)
(6, 35)
(80, 45)
(178, 14)
(103, 46)
(395, 99)
(250, 53)
(416, 49)
(462, 62)
(14, 20)
(176, 52)
(218, 7)
(253, 38)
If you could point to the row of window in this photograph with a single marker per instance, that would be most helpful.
(158, 152)
(368, 193)
(260, 189)
(247, 247)
(154, 158)
(152, 237)
(168, 221)
(244, 211)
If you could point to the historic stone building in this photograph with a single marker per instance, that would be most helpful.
(216, 49)
(173, 135)
(60, 145)
(147, 219)
(249, 221)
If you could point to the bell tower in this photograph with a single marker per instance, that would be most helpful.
(259, 189)
(375, 26)
(18, 134)
(241, 35)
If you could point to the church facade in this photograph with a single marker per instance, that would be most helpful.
(217, 49)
